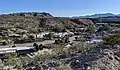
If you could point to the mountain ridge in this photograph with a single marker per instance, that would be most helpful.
(100, 15)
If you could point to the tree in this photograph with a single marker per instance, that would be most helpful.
(40, 47)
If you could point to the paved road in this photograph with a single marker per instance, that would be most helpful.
(43, 42)
(30, 44)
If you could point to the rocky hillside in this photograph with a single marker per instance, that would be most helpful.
(77, 56)
(97, 58)
(37, 22)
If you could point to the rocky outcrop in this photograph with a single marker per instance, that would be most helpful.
(82, 21)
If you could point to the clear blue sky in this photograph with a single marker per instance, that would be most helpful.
(61, 7)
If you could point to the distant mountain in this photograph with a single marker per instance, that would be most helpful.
(106, 17)
(100, 15)
(31, 14)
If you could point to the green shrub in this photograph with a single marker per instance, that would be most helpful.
(65, 67)
(4, 38)
(112, 39)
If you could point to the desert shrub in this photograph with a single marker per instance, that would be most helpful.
(18, 62)
(58, 41)
(104, 28)
(31, 37)
(4, 37)
(0, 37)
(59, 49)
(1, 65)
(91, 28)
(112, 39)
(65, 67)
(56, 50)
(57, 28)
(12, 59)
(42, 57)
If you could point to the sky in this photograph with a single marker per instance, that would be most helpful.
(61, 7)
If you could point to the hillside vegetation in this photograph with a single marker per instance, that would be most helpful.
(37, 22)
